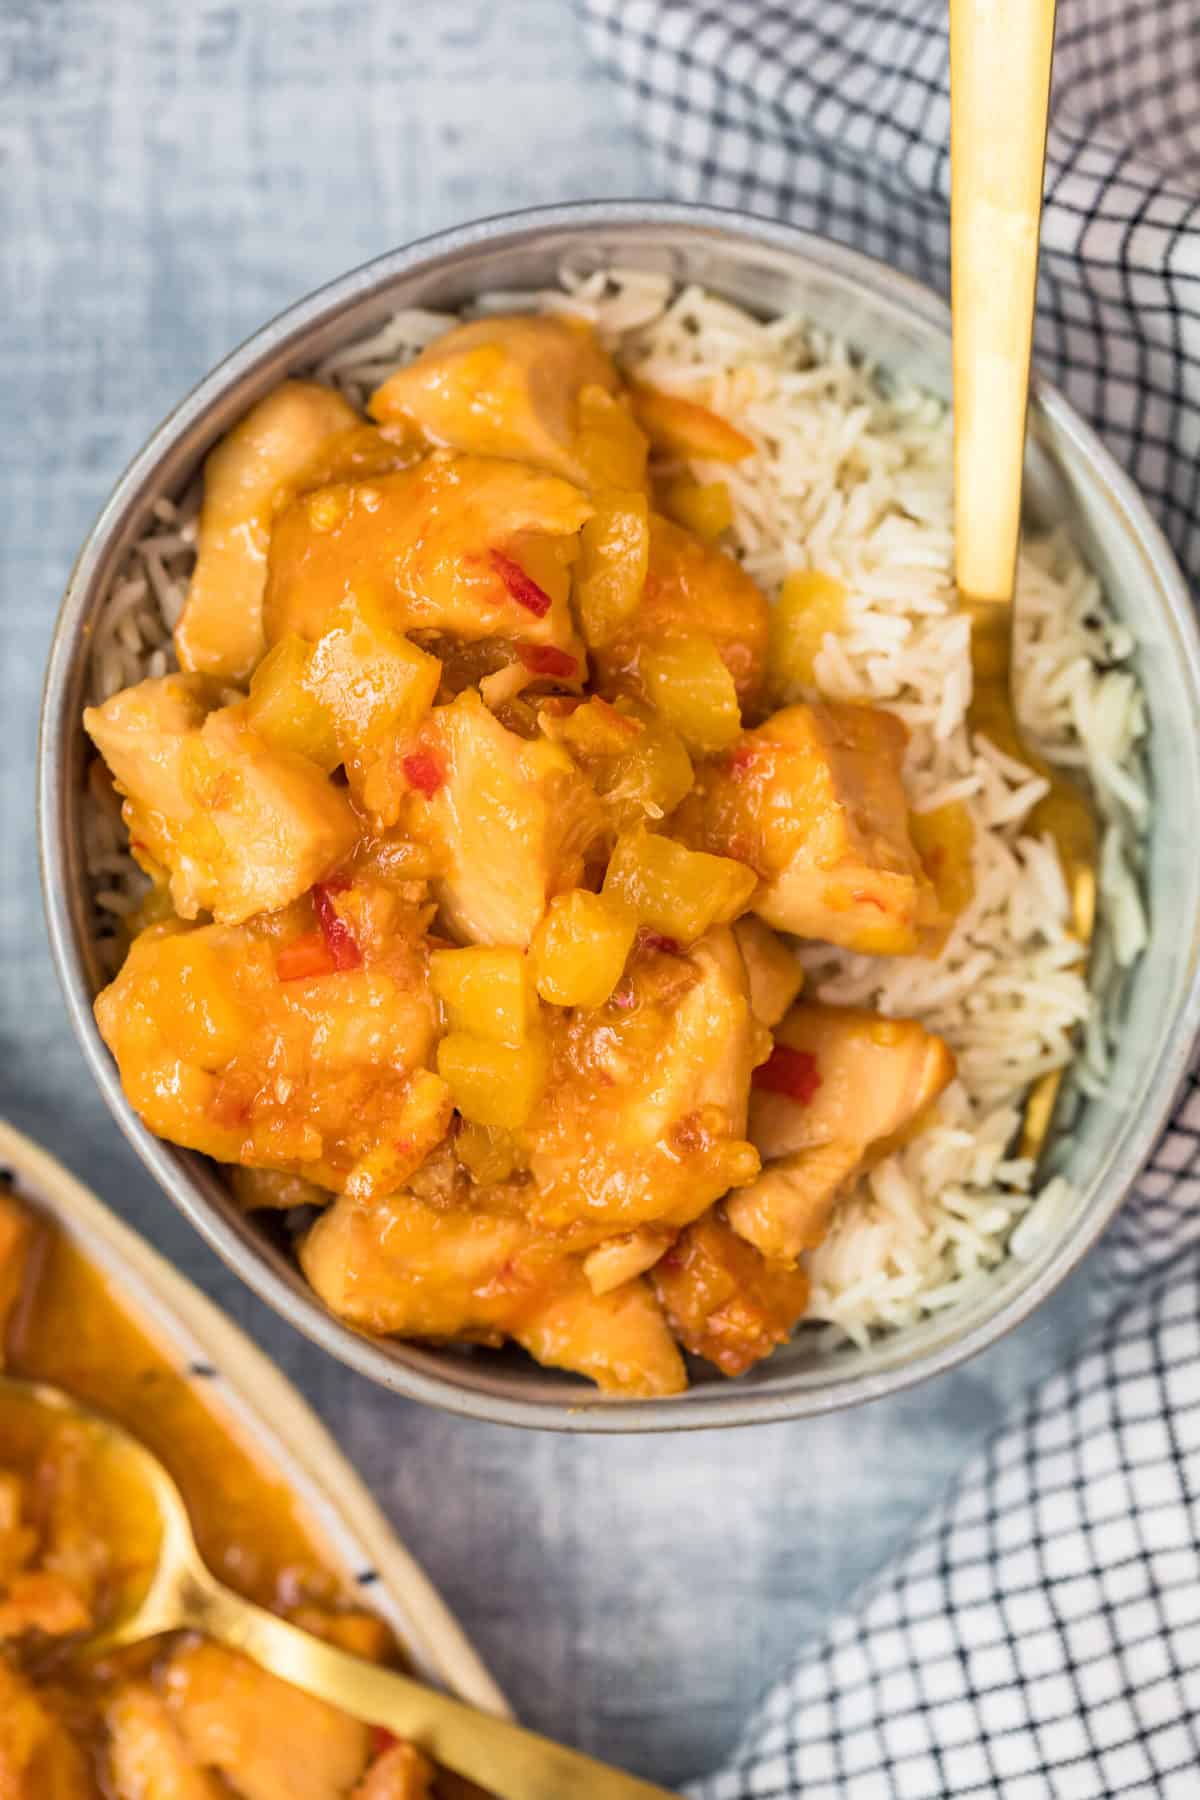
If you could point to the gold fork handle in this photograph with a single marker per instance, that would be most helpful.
(1000, 54)
(504, 1759)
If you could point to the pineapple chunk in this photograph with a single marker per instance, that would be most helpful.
(691, 589)
(614, 555)
(724, 1301)
(679, 892)
(703, 507)
(634, 760)
(945, 841)
(505, 387)
(369, 678)
(486, 992)
(245, 477)
(284, 710)
(814, 801)
(687, 682)
(455, 544)
(611, 449)
(490, 1083)
(810, 604)
(580, 948)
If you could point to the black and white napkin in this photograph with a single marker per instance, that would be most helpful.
(1040, 1639)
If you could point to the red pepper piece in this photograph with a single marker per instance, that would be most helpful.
(789, 1072)
(304, 958)
(522, 587)
(424, 771)
(547, 659)
(339, 939)
(382, 1739)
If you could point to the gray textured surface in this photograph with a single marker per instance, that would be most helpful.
(169, 177)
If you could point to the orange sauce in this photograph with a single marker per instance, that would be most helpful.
(70, 1329)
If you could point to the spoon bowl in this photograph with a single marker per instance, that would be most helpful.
(169, 1588)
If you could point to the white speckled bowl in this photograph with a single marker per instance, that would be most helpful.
(264, 1410)
(1070, 476)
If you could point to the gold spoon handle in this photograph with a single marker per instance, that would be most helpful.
(502, 1758)
(1000, 53)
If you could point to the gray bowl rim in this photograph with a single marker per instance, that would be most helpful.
(577, 1411)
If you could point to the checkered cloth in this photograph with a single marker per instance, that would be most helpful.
(1040, 1640)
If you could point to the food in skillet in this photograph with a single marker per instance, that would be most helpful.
(183, 1718)
(485, 815)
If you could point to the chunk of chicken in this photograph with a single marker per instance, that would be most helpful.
(401, 1773)
(510, 820)
(324, 1074)
(147, 1756)
(398, 1264)
(503, 387)
(16, 1242)
(723, 1300)
(220, 632)
(38, 1758)
(773, 970)
(857, 1082)
(814, 801)
(243, 827)
(691, 589)
(465, 545)
(643, 1119)
(264, 1738)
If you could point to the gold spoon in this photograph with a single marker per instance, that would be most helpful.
(1000, 56)
(181, 1594)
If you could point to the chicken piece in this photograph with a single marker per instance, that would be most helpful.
(723, 1300)
(264, 1738)
(465, 545)
(226, 1046)
(623, 1258)
(692, 589)
(16, 1243)
(74, 1549)
(39, 1600)
(17, 1539)
(510, 820)
(773, 970)
(253, 466)
(401, 1773)
(400, 1265)
(147, 1757)
(38, 1758)
(643, 1119)
(243, 828)
(841, 1085)
(813, 800)
(503, 387)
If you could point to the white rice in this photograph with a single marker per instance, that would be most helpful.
(852, 477)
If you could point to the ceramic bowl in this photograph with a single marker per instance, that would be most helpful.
(1070, 477)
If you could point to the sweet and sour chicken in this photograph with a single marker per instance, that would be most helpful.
(479, 862)
(180, 1718)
